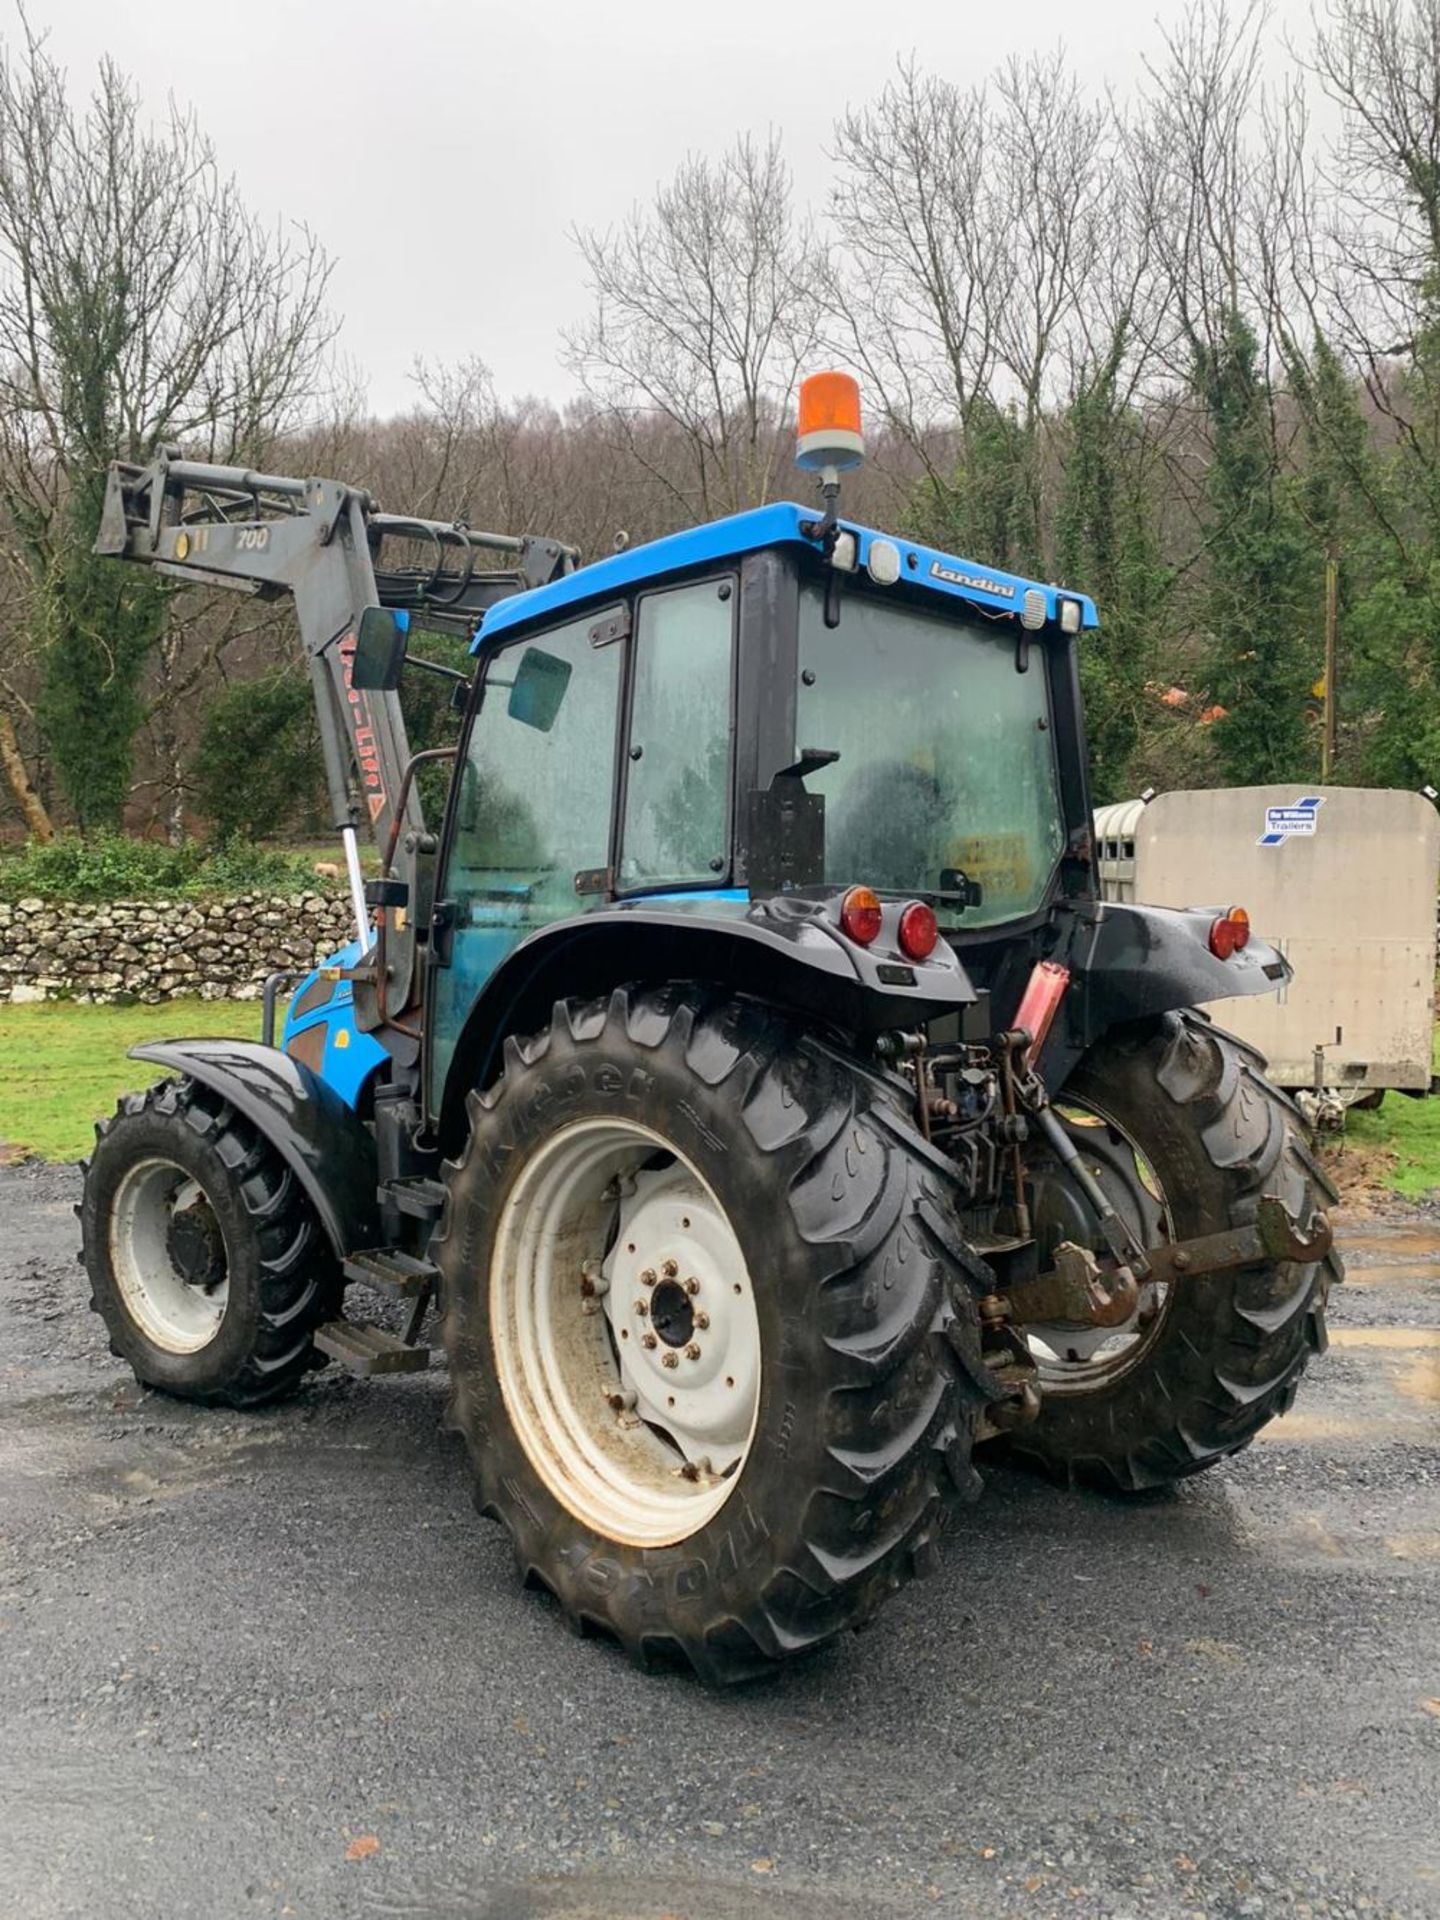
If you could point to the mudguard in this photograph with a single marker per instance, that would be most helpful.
(328, 1149)
(1132, 962)
(787, 949)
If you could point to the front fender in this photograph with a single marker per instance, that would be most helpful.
(328, 1149)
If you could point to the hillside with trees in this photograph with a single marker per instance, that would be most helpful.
(1180, 349)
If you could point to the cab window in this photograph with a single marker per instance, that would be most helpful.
(677, 787)
(536, 788)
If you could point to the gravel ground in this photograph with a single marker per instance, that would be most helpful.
(271, 1664)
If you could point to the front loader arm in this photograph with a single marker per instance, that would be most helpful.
(325, 544)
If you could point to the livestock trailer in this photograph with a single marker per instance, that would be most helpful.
(1342, 880)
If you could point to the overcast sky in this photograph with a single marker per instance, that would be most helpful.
(442, 149)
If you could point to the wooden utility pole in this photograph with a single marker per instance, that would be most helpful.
(1332, 608)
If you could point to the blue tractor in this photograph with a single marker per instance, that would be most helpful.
(744, 1073)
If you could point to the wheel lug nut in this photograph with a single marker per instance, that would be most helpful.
(702, 1321)
(647, 1278)
(670, 1269)
(692, 1286)
(668, 1359)
(648, 1340)
(692, 1352)
(642, 1307)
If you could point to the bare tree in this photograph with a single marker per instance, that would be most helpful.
(140, 302)
(705, 311)
(971, 221)
(917, 285)
(1379, 62)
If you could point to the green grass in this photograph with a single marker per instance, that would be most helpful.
(1407, 1129)
(62, 1066)
(1410, 1129)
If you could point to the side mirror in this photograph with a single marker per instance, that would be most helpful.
(537, 689)
(380, 643)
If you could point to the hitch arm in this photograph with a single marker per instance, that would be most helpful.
(1077, 1292)
(1276, 1235)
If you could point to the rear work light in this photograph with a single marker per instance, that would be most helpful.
(1229, 933)
(860, 915)
(918, 931)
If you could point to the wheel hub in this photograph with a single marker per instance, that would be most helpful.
(680, 1307)
(1066, 1353)
(196, 1247)
(168, 1255)
(671, 1313)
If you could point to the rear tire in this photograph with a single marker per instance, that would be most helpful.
(864, 1410)
(1228, 1349)
(208, 1264)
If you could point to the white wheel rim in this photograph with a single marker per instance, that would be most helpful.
(627, 1343)
(170, 1309)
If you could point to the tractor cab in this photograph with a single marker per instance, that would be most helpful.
(748, 711)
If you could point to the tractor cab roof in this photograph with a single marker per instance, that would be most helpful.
(989, 589)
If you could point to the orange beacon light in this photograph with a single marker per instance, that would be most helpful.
(829, 436)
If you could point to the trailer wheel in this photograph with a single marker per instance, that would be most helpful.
(206, 1260)
(704, 1325)
(1186, 1135)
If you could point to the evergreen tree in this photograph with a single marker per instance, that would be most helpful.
(1260, 655)
(1106, 547)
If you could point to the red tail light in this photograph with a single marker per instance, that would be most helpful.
(1229, 933)
(918, 931)
(860, 915)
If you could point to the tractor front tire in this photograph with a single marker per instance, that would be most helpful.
(1226, 1351)
(709, 1348)
(207, 1263)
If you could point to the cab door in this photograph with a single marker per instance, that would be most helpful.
(532, 810)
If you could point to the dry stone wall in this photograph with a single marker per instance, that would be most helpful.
(151, 950)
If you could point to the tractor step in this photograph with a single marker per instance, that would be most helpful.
(362, 1349)
(390, 1271)
(417, 1196)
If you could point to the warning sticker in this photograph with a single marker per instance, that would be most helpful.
(1282, 822)
(1001, 862)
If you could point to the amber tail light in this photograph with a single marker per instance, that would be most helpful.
(860, 916)
(1229, 933)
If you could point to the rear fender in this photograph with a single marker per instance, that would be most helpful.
(1132, 963)
(787, 950)
(329, 1150)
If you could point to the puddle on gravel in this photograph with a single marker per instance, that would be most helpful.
(1422, 1381)
(1384, 1276)
(591, 1896)
(1398, 1243)
(1413, 1546)
(1395, 1339)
